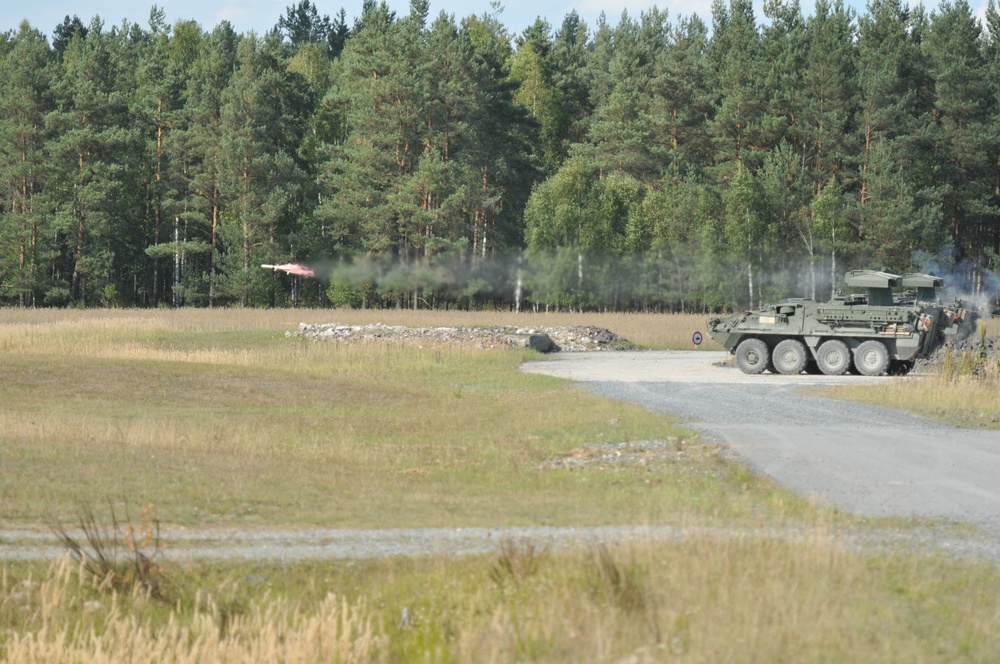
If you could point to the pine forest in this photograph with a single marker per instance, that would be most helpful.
(646, 163)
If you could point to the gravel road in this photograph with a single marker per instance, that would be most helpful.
(865, 460)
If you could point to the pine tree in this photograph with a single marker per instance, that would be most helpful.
(86, 167)
(685, 97)
(893, 223)
(302, 24)
(158, 102)
(200, 139)
(829, 92)
(735, 58)
(259, 178)
(891, 84)
(537, 93)
(25, 99)
(991, 228)
(379, 99)
(961, 132)
(628, 133)
(499, 151)
(784, 48)
(567, 63)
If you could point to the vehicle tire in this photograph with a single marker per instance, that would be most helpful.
(871, 358)
(752, 356)
(790, 356)
(833, 358)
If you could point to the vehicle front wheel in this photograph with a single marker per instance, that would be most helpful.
(752, 356)
(871, 358)
(833, 358)
(790, 357)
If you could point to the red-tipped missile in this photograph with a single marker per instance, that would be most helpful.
(292, 268)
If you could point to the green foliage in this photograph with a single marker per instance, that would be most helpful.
(666, 153)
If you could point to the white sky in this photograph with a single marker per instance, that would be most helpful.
(262, 15)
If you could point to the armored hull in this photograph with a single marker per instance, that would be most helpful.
(883, 330)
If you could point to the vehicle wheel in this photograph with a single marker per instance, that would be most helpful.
(790, 357)
(871, 358)
(752, 356)
(833, 358)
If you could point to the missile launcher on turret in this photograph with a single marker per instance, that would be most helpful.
(896, 320)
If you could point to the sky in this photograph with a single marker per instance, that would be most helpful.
(261, 15)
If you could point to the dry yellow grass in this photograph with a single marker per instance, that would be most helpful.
(806, 598)
(217, 417)
(963, 390)
(66, 627)
(19, 327)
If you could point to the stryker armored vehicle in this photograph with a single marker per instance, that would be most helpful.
(882, 330)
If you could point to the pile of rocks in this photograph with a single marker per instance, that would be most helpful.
(988, 349)
(542, 339)
(651, 454)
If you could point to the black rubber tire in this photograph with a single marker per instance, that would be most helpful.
(833, 357)
(790, 357)
(871, 358)
(752, 356)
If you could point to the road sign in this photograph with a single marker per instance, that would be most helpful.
(696, 338)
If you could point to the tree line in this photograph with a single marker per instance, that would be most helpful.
(657, 163)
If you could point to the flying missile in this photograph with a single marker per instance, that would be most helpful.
(292, 268)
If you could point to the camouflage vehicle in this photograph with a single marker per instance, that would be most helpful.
(885, 329)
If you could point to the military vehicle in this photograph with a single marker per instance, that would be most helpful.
(885, 329)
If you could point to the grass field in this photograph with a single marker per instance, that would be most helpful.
(216, 419)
